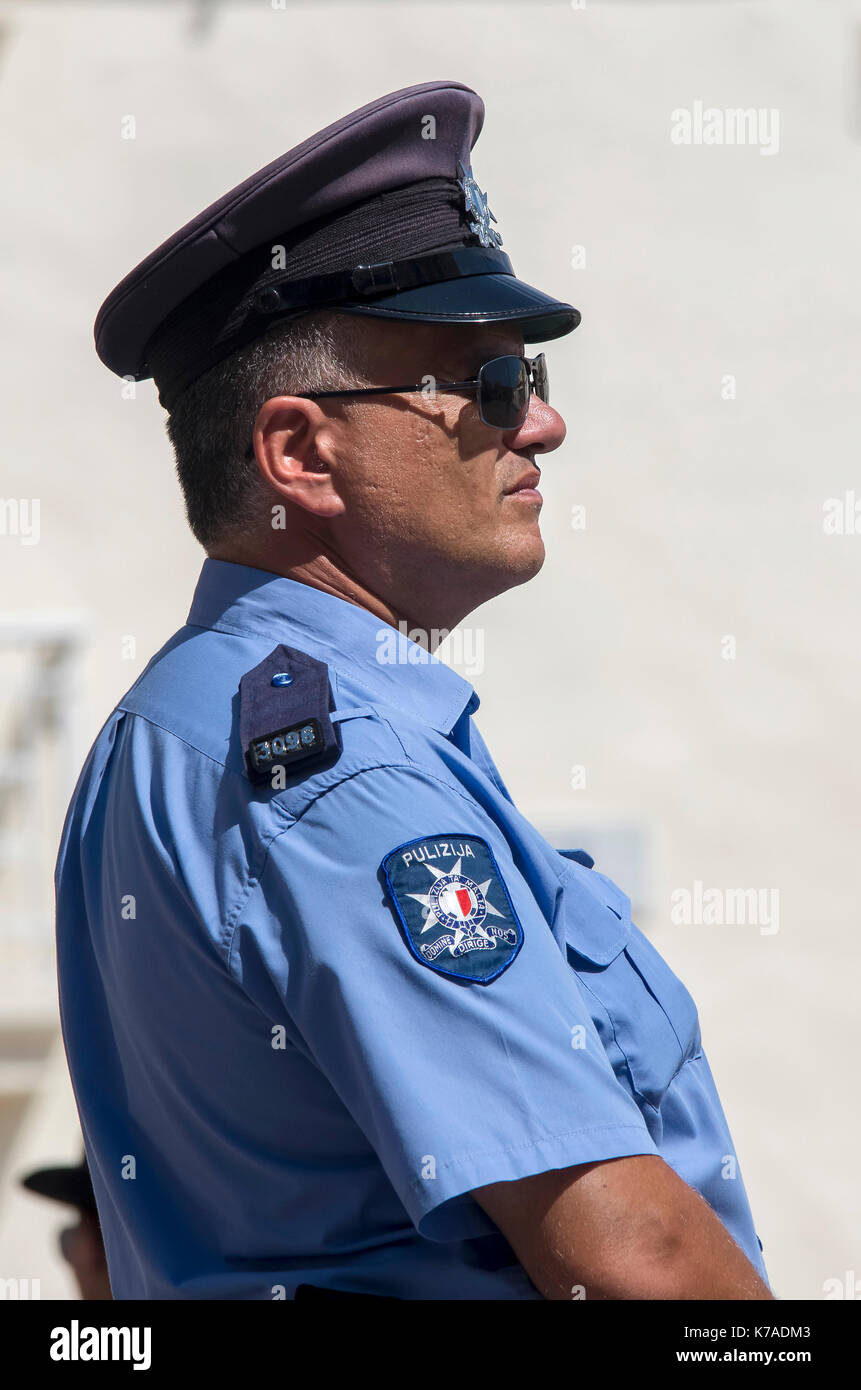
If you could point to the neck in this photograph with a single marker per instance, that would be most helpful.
(319, 572)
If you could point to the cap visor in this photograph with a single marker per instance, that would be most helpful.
(477, 299)
(69, 1185)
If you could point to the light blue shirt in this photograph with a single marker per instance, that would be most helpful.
(303, 1024)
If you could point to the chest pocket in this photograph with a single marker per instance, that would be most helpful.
(646, 1019)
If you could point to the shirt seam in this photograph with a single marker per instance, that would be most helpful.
(229, 929)
(397, 736)
(410, 762)
(634, 1087)
(421, 1183)
(172, 733)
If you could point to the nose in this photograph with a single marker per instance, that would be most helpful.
(543, 429)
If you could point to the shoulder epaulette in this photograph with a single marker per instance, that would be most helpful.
(284, 721)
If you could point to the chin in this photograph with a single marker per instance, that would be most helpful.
(518, 562)
(480, 575)
(528, 554)
(529, 571)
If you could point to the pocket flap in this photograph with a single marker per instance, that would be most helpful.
(596, 915)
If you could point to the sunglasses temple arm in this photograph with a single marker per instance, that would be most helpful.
(386, 390)
(376, 391)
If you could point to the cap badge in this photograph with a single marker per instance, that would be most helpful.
(477, 210)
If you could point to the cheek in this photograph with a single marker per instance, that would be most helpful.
(423, 474)
(455, 473)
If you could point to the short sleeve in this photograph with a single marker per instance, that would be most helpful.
(455, 1081)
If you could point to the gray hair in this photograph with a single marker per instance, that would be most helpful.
(211, 423)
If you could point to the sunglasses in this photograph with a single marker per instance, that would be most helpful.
(503, 389)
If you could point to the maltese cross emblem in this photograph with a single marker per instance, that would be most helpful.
(479, 214)
(454, 909)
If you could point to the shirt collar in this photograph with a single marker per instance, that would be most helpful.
(372, 655)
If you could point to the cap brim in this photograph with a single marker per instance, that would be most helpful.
(477, 299)
(69, 1185)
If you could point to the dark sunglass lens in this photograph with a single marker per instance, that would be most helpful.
(503, 395)
(541, 380)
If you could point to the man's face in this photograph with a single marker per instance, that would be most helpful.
(436, 503)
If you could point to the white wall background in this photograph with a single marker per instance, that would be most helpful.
(704, 515)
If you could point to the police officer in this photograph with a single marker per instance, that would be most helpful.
(337, 1017)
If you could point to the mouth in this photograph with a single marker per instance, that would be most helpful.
(525, 488)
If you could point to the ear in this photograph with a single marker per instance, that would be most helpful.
(295, 445)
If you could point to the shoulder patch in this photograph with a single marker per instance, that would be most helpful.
(284, 721)
(454, 907)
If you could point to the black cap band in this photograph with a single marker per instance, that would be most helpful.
(364, 282)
